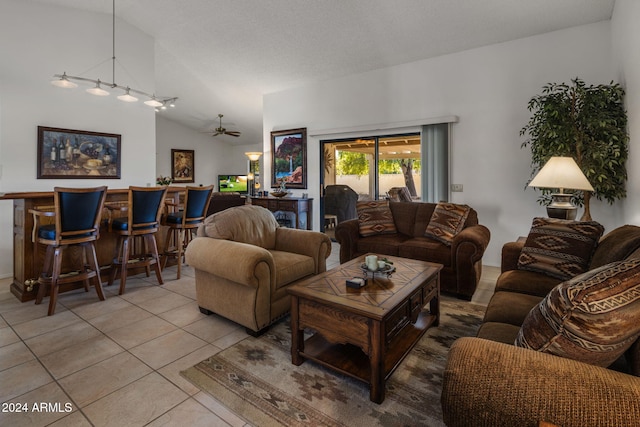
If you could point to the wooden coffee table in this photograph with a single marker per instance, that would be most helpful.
(364, 333)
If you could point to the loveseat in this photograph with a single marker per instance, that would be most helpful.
(461, 259)
(488, 381)
(244, 262)
(223, 200)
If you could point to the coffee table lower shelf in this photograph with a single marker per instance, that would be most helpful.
(350, 360)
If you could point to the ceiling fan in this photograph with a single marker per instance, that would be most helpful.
(222, 131)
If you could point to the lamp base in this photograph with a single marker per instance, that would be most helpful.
(561, 207)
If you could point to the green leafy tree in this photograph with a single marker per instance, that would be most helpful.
(351, 163)
(588, 123)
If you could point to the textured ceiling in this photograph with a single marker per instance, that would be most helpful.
(221, 56)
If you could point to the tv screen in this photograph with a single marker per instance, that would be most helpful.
(232, 184)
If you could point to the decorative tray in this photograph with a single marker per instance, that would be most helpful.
(387, 270)
(279, 193)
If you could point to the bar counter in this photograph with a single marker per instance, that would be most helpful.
(25, 265)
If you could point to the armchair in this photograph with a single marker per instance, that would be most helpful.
(244, 261)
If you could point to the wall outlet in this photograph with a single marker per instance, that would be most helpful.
(456, 188)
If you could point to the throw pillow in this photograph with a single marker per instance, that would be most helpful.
(593, 318)
(374, 217)
(447, 220)
(560, 248)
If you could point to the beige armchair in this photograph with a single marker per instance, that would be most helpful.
(244, 261)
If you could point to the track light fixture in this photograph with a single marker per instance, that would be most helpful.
(67, 82)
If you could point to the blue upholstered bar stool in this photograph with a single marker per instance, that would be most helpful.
(141, 223)
(77, 223)
(183, 223)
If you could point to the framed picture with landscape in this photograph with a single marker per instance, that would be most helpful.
(182, 166)
(289, 158)
(79, 154)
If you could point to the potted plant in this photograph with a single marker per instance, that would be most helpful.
(588, 123)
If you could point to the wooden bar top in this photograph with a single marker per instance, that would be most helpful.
(43, 194)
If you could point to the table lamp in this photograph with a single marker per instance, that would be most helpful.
(562, 173)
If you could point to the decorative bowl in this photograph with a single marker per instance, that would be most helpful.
(279, 193)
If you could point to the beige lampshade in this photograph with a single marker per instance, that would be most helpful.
(562, 173)
(253, 155)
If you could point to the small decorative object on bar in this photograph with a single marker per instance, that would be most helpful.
(289, 158)
(163, 180)
(561, 173)
(67, 153)
(182, 166)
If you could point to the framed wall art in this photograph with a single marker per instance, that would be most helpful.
(68, 154)
(289, 158)
(182, 166)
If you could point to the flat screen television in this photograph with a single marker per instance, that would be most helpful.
(232, 184)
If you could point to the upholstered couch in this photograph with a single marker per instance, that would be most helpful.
(462, 259)
(244, 261)
(488, 381)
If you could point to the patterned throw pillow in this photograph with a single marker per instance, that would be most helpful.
(560, 248)
(375, 217)
(593, 318)
(447, 220)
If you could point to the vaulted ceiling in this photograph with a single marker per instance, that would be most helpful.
(222, 56)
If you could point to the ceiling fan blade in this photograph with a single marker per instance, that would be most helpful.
(233, 133)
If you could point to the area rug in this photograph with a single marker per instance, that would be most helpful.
(256, 379)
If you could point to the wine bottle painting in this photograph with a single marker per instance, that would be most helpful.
(67, 153)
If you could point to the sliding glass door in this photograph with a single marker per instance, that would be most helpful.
(372, 166)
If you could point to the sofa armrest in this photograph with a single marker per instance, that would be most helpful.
(487, 383)
(347, 234)
(476, 235)
(467, 249)
(217, 256)
(510, 254)
(305, 242)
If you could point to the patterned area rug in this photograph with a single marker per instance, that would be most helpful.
(256, 379)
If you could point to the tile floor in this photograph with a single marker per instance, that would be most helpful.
(117, 362)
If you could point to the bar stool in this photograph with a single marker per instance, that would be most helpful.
(142, 221)
(77, 224)
(183, 223)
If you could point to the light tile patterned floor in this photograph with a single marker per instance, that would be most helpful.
(117, 362)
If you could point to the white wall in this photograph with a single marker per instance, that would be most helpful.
(626, 39)
(487, 88)
(213, 156)
(38, 41)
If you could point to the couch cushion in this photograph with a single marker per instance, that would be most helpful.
(616, 245)
(426, 249)
(406, 214)
(447, 220)
(500, 332)
(291, 267)
(526, 282)
(386, 244)
(250, 224)
(510, 307)
(593, 318)
(374, 217)
(560, 248)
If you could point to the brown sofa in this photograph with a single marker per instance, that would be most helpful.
(462, 260)
(490, 382)
(222, 201)
(244, 262)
